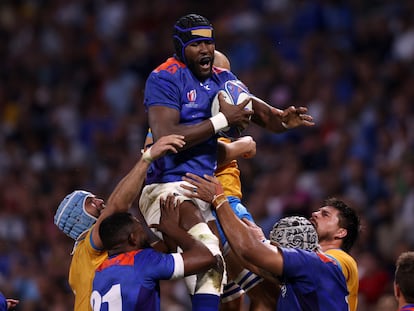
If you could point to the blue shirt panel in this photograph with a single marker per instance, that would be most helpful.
(138, 278)
(312, 282)
(175, 86)
(3, 302)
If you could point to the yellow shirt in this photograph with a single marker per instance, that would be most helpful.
(350, 271)
(85, 260)
(229, 176)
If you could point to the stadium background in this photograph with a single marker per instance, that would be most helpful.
(72, 74)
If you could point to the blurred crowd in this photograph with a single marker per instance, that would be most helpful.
(72, 75)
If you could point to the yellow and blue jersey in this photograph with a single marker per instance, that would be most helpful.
(86, 258)
(350, 270)
(229, 176)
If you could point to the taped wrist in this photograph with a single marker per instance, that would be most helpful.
(219, 122)
(219, 200)
(146, 156)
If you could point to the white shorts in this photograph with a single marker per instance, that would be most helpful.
(149, 202)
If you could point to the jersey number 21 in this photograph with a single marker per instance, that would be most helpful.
(112, 298)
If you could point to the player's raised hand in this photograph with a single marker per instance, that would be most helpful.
(236, 115)
(293, 117)
(169, 143)
(205, 189)
(170, 214)
(11, 303)
(257, 231)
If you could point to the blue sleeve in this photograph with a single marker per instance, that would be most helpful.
(3, 302)
(151, 266)
(92, 243)
(161, 89)
(299, 266)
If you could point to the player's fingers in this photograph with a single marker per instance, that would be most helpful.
(289, 110)
(162, 203)
(245, 102)
(306, 117)
(186, 187)
(302, 110)
(169, 202)
(194, 177)
(210, 178)
(222, 98)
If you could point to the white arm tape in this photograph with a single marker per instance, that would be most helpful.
(202, 233)
(178, 266)
(219, 122)
(146, 156)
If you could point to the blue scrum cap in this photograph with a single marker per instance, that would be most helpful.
(188, 29)
(71, 216)
(295, 232)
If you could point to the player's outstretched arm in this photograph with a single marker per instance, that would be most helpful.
(11, 303)
(130, 186)
(268, 260)
(277, 120)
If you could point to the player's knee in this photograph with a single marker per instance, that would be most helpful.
(210, 282)
(202, 233)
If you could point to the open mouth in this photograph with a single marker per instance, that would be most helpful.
(205, 62)
(312, 221)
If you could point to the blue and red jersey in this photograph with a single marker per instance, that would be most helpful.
(130, 281)
(311, 281)
(173, 85)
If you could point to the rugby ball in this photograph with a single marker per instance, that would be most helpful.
(235, 92)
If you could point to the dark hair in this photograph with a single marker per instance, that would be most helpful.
(115, 229)
(404, 275)
(183, 32)
(348, 219)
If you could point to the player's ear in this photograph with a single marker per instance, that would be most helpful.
(132, 240)
(341, 233)
(397, 291)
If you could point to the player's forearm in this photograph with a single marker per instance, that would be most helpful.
(234, 229)
(193, 134)
(265, 116)
(128, 188)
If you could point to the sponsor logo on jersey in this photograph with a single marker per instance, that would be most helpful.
(283, 290)
(191, 97)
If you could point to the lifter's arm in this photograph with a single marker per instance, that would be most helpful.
(277, 120)
(130, 186)
(268, 261)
